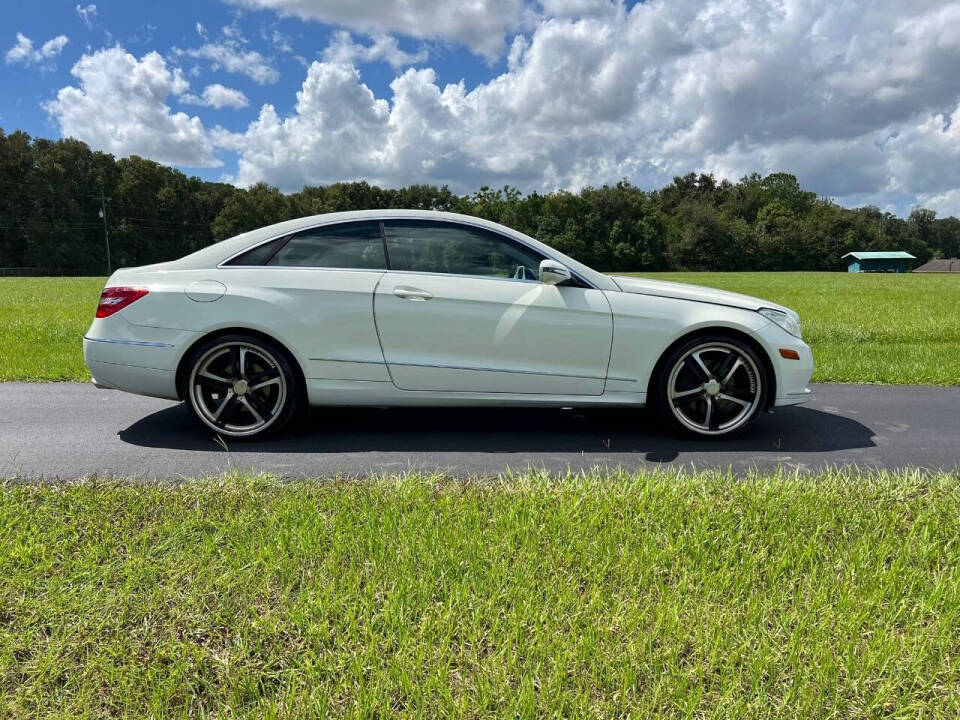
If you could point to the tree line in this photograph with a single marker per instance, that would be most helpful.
(52, 193)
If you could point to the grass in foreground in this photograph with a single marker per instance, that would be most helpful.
(863, 328)
(651, 595)
(897, 329)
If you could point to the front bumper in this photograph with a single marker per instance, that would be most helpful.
(792, 376)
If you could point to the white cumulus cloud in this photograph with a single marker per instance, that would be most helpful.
(860, 99)
(347, 123)
(231, 53)
(217, 96)
(343, 49)
(946, 203)
(478, 24)
(24, 51)
(857, 98)
(121, 107)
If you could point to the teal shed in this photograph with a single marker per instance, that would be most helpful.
(892, 261)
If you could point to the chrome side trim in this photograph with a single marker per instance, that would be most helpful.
(462, 367)
(360, 362)
(139, 343)
(275, 268)
(496, 370)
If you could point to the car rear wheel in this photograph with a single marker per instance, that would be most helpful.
(711, 387)
(241, 386)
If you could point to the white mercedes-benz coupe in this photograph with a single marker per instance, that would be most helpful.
(406, 307)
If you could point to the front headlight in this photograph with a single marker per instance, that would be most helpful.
(788, 321)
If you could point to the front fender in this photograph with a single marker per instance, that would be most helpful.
(644, 326)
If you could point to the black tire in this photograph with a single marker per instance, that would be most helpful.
(710, 387)
(242, 387)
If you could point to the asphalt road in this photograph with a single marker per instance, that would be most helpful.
(67, 430)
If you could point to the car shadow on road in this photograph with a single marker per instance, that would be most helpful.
(508, 430)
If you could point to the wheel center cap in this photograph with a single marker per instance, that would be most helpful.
(712, 387)
(240, 387)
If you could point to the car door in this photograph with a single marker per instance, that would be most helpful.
(314, 290)
(458, 312)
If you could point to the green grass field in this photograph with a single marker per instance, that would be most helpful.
(653, 595)
(42, 322)
(864, 328)
(898, 329)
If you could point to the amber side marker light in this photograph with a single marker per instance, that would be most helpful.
(789, 354)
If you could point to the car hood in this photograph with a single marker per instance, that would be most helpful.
(696, 293)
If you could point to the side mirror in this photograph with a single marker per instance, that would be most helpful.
(553, 273)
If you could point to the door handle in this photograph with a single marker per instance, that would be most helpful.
(412, 294)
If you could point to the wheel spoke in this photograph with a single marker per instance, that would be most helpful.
(677, 394)
(224, 351)
(738, 394)
(213, 382)
(247, 404)
(238, 389)
(729, 367)
(258, 376)
(696, 365)
(715, 419)
(265, 383)
(731, 398)
(720, 400)
(246, 364)
(223, 406)
(235, 361)
(258, 404)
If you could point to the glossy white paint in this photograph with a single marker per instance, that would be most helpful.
(491, 335)
(375, 337)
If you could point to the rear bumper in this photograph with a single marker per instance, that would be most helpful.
(133, 358)
(134, 379)
(101, 385)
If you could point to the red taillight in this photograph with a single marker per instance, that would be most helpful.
(114, 299)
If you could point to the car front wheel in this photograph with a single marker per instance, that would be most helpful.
(241, 386)
(711, 387)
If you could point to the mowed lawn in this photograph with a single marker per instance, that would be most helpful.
(866, 328)
(42, 322)
(652, 595)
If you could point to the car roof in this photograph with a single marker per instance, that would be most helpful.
(213, 255)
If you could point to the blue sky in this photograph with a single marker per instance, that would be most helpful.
(857, 99)
(141, 28)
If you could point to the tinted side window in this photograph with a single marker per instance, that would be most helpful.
(451, 248)
(260, 254)
(348, 245)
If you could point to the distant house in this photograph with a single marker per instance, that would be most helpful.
(941, 265)
(893, 261)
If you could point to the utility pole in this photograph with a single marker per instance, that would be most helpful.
(106, 233)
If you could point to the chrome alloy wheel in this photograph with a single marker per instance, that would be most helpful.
(714, 388)
(238, 388)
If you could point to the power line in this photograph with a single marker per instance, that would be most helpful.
(168, 222)
(186, 232)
